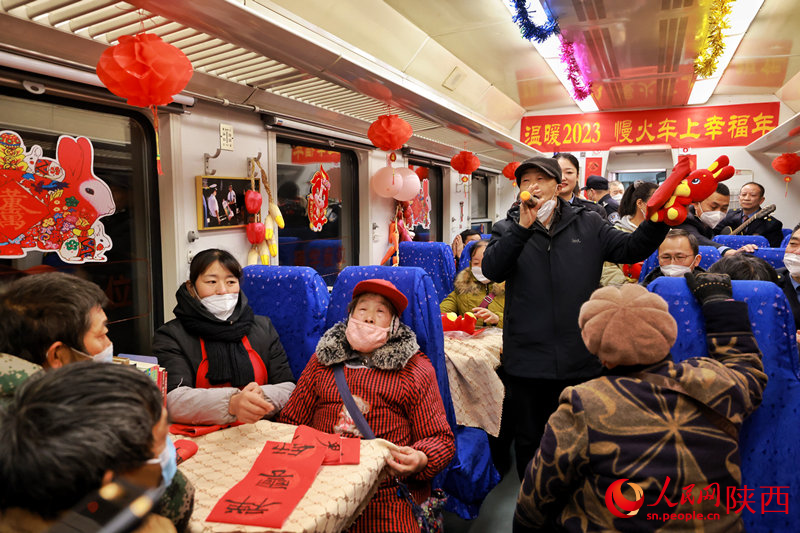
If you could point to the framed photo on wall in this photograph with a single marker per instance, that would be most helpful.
(220, 201)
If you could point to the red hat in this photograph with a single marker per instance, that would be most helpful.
(386, 289)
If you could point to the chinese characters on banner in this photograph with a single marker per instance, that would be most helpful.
(694, 127)
(274, 486)
(52, 205)
(302, 155)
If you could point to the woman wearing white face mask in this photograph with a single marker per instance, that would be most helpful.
(475, 293)
(393, 384)
(632, 211)
(223, 362)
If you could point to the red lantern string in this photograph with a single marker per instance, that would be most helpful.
(788, 163)
(509, 169)
(146, 71)
(389, 132)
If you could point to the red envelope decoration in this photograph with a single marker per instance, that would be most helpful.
(340, 450)
(276, 483)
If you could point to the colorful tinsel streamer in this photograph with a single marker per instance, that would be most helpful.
(580, 89)
(530, 30)
(706, 63)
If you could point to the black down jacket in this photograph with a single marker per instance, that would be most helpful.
(548, 276)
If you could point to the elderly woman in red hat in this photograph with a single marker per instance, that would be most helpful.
(393, 385)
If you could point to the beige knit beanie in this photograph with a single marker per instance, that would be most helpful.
(627, 325)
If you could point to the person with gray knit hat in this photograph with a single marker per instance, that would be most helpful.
(650, 428)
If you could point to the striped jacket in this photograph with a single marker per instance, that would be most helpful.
(397, 392)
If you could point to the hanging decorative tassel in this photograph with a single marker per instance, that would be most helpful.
(531, 31)
(706, 63)
(580, 89)
(154, 110)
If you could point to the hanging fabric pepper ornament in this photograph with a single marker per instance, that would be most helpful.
(146, 71)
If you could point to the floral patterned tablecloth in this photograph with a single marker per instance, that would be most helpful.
(336, 498)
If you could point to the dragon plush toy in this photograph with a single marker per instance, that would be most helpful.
(684, 187)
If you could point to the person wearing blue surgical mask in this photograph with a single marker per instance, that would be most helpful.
(224, 363)
(476, 293)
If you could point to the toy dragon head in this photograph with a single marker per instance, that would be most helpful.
(684, 187)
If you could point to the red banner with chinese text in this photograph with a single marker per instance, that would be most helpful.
(305, 154)
(695, 127)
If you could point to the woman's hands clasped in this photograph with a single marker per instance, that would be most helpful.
(250, 405)
(406, 461)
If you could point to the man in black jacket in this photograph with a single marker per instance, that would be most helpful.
(751, 196)
(597, 191)
(551, 255)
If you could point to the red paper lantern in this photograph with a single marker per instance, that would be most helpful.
(252, 201)
(144, 70)
(465, 162)
(389, 132)
(786, 163)
(509, 169)
(422, 172)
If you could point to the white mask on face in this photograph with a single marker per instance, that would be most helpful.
(221, 305)
(712, 218)
(106, 355)
(792, 262)
(546, 210)
(478, 273)
(616, 197)
(674, 271)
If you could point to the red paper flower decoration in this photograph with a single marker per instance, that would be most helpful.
(465, 162)
(509, 169)
(144, 70)
(786, 163)
(389, 132)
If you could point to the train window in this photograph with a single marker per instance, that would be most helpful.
(479, 193)
(331, 248)
(124, 161)
(652, 176)
(428, 227)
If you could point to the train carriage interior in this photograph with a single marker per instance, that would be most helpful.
(288, 97)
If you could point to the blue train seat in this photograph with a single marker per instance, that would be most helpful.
(708, 256)
(435, 258)
(463, 260)
(769, 437)
(471, 474)
(773, 256)
(786, 239)
(737, 241)
(786, 232)
(296, 301)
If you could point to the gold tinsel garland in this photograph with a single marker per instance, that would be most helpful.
(716, 22)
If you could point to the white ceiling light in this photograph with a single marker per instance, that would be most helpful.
(550, 50)
(742, 14)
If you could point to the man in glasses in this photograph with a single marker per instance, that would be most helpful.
(678, 254)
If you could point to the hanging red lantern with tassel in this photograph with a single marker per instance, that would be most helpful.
(389, 132)
(786, 164)
(146, 71)
(509, 169)
(465, 162)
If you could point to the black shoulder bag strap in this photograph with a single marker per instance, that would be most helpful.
(350, 403)
(722, 422)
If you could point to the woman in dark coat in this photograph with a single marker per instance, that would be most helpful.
(223, 362)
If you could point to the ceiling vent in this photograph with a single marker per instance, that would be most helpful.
(454, 79)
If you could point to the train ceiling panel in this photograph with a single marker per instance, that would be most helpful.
(303, 74)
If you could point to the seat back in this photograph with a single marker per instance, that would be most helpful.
(737, 241)
(324, 256)
(463, 261)
(486, 236)
(469, 477)
(769, 436)
(786, 232)
(435, 258)
(773, 256)
(296, 301)
(786, 239)
(708, 256)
